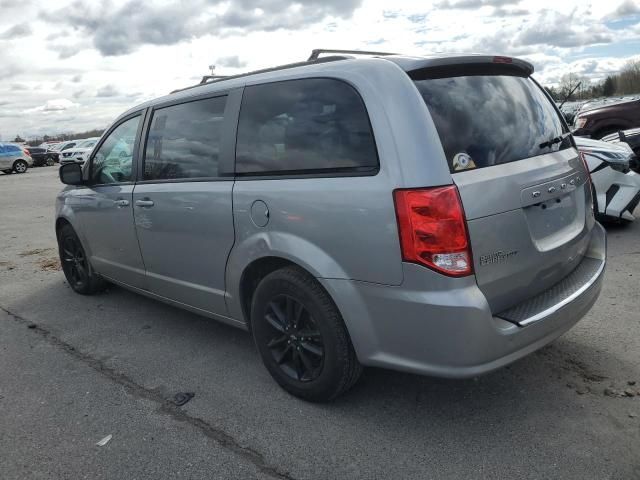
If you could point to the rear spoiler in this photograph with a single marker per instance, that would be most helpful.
(438, 67)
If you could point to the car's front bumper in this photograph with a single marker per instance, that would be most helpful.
(439, 326)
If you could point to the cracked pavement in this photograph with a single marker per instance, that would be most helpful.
(74, 369)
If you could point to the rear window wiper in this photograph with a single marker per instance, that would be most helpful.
(554, 140)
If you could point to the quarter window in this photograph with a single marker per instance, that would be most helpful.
(304, 126)
(184, 140)
(112, 162)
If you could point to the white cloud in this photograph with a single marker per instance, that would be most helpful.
(56, 105)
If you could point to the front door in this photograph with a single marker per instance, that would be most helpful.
(105, 207)
(182, 206)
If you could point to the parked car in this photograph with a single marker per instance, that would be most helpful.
(79, 152)
(602, 119)
(42, 156)
(617, 187)
(390, 211)
(630, 137)
(14, 158)
(62, 146)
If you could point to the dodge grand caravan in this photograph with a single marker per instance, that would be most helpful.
(424, 214)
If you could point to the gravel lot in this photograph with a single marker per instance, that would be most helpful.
(75, 369)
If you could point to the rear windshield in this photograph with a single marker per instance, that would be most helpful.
(486, 120)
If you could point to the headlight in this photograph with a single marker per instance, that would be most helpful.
(581, 122)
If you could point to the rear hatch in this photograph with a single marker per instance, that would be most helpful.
(524, 189)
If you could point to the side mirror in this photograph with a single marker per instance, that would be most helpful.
(71, 174)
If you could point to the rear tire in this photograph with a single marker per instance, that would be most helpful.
(301, 336)
(20, 166)
(50, 162)
(81, 277)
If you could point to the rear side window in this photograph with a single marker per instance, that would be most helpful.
(12, 148)
(304, 126)
(486, 120)
(184, 140)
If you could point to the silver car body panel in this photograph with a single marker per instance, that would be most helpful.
(198, 238)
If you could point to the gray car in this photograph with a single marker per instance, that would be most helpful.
(424, 214)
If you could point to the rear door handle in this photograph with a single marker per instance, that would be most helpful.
(121, 202)
(144, 203)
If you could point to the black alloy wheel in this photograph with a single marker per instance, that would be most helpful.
(74, 262)
(295, 342)
(301, 336)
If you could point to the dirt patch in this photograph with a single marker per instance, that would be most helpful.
(49, 264)
(583, 371)
(7, 265)
(35, 251)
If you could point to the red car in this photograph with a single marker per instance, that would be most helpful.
(604, 119)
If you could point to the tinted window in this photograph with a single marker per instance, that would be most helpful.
(304, 126)
(184, 140)
(112, 162)
(492, 119)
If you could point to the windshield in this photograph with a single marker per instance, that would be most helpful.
(87, 144)
(486, 120)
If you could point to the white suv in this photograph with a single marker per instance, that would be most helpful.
(80, 152)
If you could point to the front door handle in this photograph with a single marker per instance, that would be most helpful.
(121, 202)
(144, 203)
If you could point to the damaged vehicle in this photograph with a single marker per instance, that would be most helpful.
(616, 186)
(632, 138)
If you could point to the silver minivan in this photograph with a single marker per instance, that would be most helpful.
(424, 214)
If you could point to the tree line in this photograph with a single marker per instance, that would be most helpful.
(59, 138)
(626, 82)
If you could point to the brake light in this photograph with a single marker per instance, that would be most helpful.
(433, 229)
(502, 60)
(26, 152)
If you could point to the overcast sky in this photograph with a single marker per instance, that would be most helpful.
(74, 66)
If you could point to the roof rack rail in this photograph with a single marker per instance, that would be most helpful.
(207, 79)
(315, 53)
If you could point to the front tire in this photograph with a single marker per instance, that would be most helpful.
(50, 162)
(75, 264)
(301, 336)
(20, 166)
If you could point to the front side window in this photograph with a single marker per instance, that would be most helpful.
(184, 140)
(304, 126)
(491, 119)
(112, 162)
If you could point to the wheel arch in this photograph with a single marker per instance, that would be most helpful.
(253, 274)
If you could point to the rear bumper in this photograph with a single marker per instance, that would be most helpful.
(439, 326)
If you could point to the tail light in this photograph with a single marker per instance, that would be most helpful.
(26, 152)
(433, 229)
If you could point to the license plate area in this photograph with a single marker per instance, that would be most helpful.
(555, 211)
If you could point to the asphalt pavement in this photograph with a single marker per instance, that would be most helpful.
(75, 369)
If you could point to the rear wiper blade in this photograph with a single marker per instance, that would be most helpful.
(554, 140)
